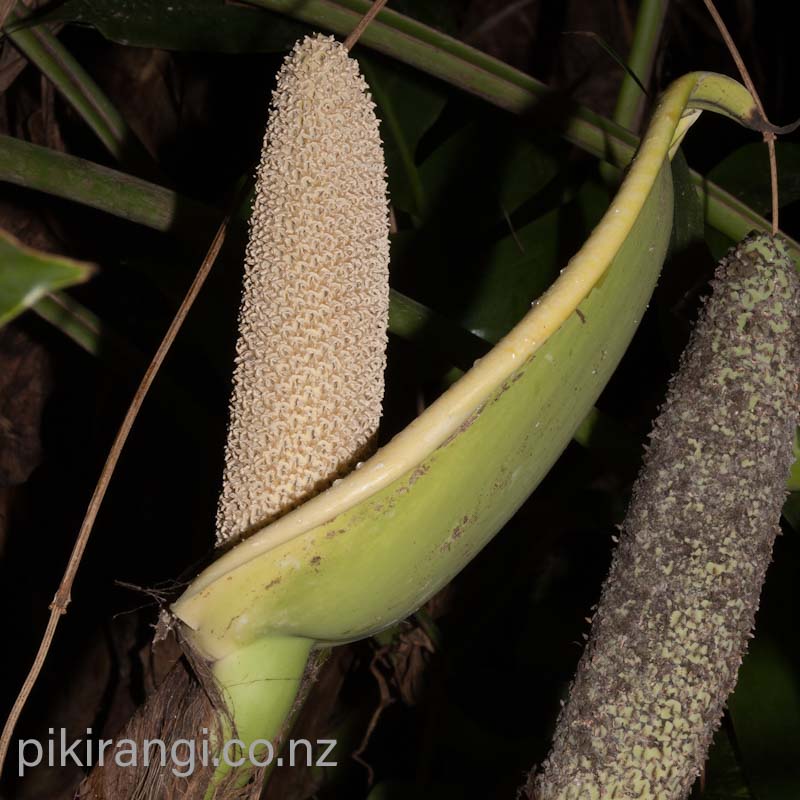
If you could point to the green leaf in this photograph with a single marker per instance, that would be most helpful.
(408, 104)
(791, 508)
(794, 475)
(517, 270)
(401, 790)
(43, 49)
(688, 228)
(492, 155)
(452, 253)
(199, 25)
(745, 174)
(86, 329)
(415, 322)
(444, 15)
(27, 275)
(765, 709)
(640, 63)
(724, 778)
(117, 193)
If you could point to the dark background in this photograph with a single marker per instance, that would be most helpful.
(474, 680)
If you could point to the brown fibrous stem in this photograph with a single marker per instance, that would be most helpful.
(58, 607)
(769, 136)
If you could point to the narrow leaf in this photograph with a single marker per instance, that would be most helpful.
(765, 709)
(80, 90)
(407, 106)
(27, 275)
(197, 25)
(745, 174)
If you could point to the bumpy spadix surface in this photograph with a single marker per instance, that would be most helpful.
(680, 600)
(308, 381)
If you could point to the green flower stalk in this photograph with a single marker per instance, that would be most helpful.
(679, 604)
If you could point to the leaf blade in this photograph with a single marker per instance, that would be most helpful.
(27, 275)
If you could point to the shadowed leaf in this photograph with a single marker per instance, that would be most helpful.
(27, 275)
(197, 25)
(408, 105)
(745, 174)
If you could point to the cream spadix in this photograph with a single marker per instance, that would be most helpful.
(308, 381)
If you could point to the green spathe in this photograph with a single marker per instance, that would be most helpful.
(371, 549)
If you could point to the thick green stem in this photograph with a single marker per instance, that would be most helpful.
(260, 683)
(99, 187)
(630, 102)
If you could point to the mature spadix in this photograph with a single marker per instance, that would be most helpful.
(680, 600)
(308, 381)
